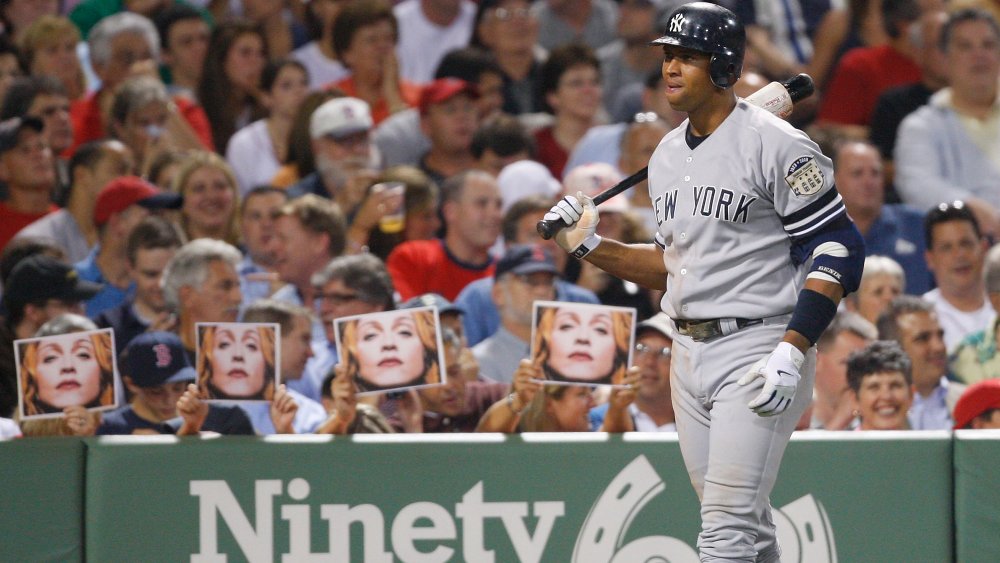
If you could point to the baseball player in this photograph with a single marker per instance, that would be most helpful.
(755, 251)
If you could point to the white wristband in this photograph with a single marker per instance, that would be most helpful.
(587, 246)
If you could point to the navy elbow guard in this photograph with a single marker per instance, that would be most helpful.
(837, 252)
(813, 313)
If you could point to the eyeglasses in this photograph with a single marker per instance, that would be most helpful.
(658, 353)
(503, 14)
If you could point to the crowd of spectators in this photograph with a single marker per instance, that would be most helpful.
(175, 162)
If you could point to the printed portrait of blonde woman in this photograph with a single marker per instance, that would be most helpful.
(236, 361)
(582, 343)
(392, 350)
(66, 370)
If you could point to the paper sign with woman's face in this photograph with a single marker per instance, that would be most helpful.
(66, 370)
(582, 344)
(392, 350)
(238, 361)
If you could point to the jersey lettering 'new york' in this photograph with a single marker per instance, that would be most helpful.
(729, 210)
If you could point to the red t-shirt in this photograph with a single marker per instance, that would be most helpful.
(13, 221)
(425, 266)
(408, 90)
(858, 80)
(88, 126)
(550, 153)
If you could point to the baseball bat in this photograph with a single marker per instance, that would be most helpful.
(777, 97)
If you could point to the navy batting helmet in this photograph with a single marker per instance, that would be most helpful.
(710, 29)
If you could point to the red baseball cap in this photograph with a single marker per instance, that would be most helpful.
(977, 399)
(126, 191)
(444, 89)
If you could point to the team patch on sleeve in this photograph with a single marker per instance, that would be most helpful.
(804, 176)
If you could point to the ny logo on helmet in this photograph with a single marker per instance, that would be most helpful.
(676, 22)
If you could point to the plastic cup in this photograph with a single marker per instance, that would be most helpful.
(394, 219)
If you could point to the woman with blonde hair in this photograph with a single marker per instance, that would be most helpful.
(211, 198)
(49, 49)
(391, 350)
(583, 343)
(236, 361)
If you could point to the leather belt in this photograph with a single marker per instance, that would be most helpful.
(706, 329)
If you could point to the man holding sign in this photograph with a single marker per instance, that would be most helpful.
(755, 250)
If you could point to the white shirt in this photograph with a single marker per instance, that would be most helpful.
(643, 422)
(321, 69)
(252, 157)
(422, 43)
(959, 324)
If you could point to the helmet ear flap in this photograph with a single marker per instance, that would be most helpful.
(722, 70)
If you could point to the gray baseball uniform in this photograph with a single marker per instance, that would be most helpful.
(729, 208)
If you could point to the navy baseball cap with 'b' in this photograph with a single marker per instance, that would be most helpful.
(157, 358)
(526, 259)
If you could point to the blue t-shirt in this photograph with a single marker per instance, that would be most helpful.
(109, 296)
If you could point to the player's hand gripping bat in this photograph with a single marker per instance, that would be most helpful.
(778, 98)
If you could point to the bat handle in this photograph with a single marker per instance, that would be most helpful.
(548, 228)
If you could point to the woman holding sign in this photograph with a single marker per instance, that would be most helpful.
(67, 370)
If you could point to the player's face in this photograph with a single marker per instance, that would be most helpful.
(68, 371)
(237, 359)
(859, 179)
(582, 344)
(296, 348)
(875, 293)
(956, 257)
(686, 79)
(571, 409)
(389, 350)
(209, 199)
(654, 365)
(922, 338)
(883, 400)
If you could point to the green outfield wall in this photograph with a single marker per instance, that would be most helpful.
(588, 498)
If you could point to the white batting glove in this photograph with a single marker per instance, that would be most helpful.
(780, 370)
(580, 235)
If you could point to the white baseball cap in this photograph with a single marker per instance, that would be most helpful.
(525, 178)
(594, 178)
(340, 117)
